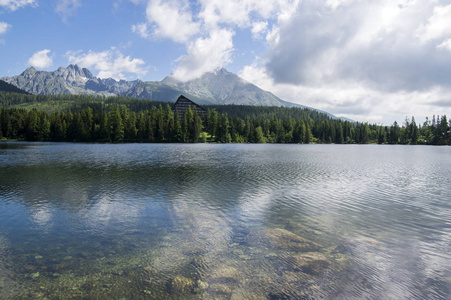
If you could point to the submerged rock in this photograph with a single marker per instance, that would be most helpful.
(219, 289)
(89, 285)
(30, 268)
(199, 262)
(200, 286)
(295, 226)
(294, 277)
(240, 294)
(225, 275)
(281, 239)
(284, 292)
(58, 267)
(180, 284)
(311, 263)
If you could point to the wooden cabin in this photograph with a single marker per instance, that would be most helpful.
(182, 104)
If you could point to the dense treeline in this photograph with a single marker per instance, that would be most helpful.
(118, 119)
(161, 124)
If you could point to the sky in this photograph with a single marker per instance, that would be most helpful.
(376, 61)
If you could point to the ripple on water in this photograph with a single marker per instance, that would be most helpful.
(220, 221)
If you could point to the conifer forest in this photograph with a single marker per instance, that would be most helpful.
(78, 118)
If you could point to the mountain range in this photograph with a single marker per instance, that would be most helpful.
(217, 88)
(70, 80)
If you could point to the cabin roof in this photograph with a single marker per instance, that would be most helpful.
(183, 104)
(184, 99)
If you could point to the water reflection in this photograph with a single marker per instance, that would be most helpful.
(224, 221)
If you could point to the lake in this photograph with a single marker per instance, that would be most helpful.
(210, 221)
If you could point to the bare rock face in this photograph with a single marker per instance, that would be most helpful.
(278, 238)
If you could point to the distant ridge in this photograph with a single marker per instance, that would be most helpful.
(214, 88)
(70, 80)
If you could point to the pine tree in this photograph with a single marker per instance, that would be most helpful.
(414, 132)
(197, 127)
(339, 134)
(116, 126)
(178, 134)
(394, 133)
(381, 136)
(141, 127)
(223, 129)
(45, 128)
(57, 129)
(212, 121)
(32, 126)
(308, 134)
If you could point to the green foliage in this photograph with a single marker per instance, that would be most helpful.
(117, 119)
(203, 137)
(259, 137)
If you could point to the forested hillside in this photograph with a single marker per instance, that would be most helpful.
(117, 119)
(6, 87)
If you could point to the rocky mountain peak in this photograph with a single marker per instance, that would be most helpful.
(29, 72)
(221, 71)
(74, 72)
(70, 80)
(224, 87)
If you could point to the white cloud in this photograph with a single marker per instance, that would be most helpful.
(66, 8)
(437, 26)
(334, 4)
(207, 28)
(364, 57)
(41, 59)
(4, 27)
(142, 29)
(109, 64)
(242, 13)
(229, 12)
(205, 55)
(445, 45)
(354, 100)
(171, 19)
(15, 4)
(259, 28)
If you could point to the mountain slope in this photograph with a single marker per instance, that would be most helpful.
(158, 91)
(223, 87)
(70, 80)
